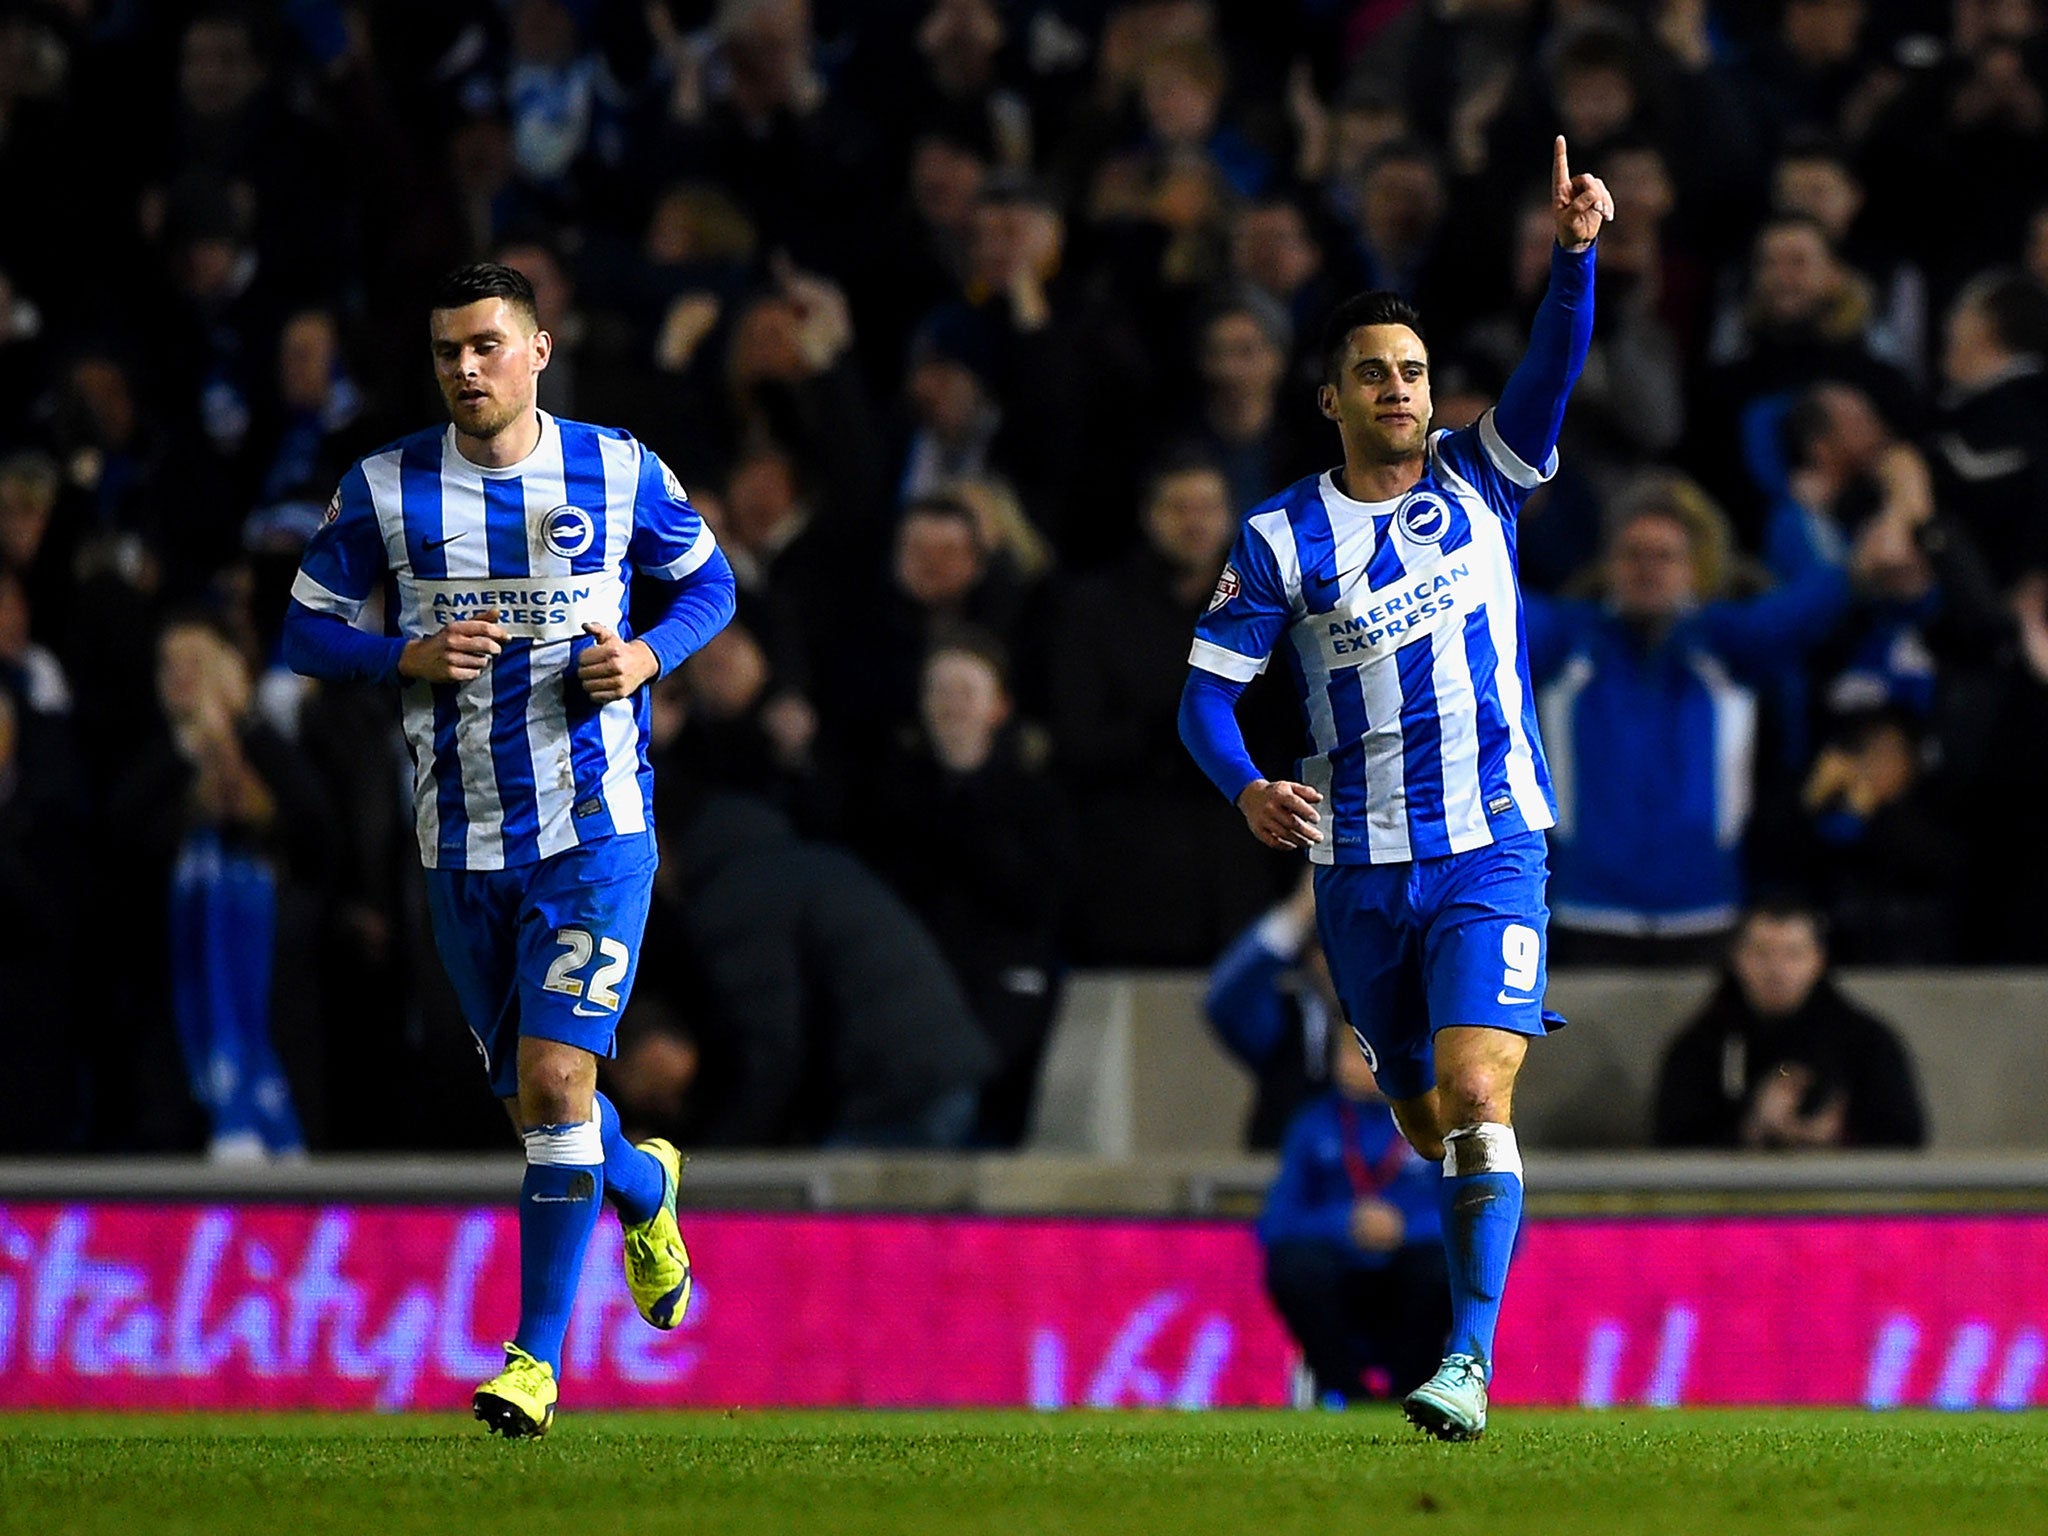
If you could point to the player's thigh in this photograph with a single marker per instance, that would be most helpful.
(1486, 939)
(579, 940)
(475, 918)
(1374, 961)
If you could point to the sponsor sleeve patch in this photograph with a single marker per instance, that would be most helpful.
(1227, 586)
(671, 484)
(333, 508)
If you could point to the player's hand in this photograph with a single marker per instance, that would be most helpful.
(1281, 814)
(456, 652)
(614, 669)
(1581, 203)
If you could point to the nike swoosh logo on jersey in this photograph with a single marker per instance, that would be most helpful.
(431, 545)
(1512, 1001)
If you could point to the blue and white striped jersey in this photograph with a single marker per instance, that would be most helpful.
(1405, 643)
(519, 764)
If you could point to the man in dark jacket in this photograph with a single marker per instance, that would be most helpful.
(1780, 1059)
(973, 834)
(829, 1012)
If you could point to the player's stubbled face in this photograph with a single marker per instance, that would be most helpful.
(1382, 393)
(485, 360)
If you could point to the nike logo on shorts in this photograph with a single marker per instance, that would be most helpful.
(1508, 999)
(582, 1012)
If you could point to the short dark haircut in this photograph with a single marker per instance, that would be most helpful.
(1785, 906)
(1379, 307)
(486, 280)
(1182, 457)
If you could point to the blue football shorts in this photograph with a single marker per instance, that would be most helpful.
(1415, 948)
(548, 949)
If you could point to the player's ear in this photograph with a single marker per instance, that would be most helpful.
(1326, 400)
(543, 349)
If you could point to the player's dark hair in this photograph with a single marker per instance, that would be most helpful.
(2016, 306)
(1379, 307)
(486, 280)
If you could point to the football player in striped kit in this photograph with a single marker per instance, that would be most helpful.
(504, 546)
(1388, 587)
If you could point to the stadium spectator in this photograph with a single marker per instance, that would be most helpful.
(1805, 316)
(1651, 714)
(1167, 874)
(976, 838)
(1354, 1255)
(1251, 423)
(1882, 858)
(1272, 1004)
(1780, 1059)
(229, 820)
(1990, 444)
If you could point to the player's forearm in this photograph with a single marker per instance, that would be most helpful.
(1531, 410)
(702, 605)
(323, 646)
(1209, 730)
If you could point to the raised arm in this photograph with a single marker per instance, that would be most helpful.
(1531, 409)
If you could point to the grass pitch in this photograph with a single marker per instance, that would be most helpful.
(960, 1474)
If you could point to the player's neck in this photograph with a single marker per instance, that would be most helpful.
(503, 448)
(1380, 480)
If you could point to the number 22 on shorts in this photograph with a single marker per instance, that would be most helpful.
(1521, 953)
(603, 986)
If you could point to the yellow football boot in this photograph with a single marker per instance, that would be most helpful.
(657, 1263)
(518, 1402)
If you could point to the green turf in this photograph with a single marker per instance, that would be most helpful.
(1263, 1474)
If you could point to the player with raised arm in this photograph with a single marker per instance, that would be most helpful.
(506, 544)
(1389, 587)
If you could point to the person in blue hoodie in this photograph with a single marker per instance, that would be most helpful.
(1354, 1245)
(1652, 698)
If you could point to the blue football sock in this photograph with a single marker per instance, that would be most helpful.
(1482, 1211)
(632, 1178)
(558, 1206)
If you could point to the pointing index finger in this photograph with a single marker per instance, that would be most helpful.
(1560, 172)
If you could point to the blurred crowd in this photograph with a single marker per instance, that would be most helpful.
(974, 327)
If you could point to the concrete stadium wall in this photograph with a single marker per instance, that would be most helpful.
(1134, 1070)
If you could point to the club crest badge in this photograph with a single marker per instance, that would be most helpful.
(568, 531)
(1424, 517)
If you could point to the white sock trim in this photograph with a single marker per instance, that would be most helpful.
(1481, 1149)
(564, 1146)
